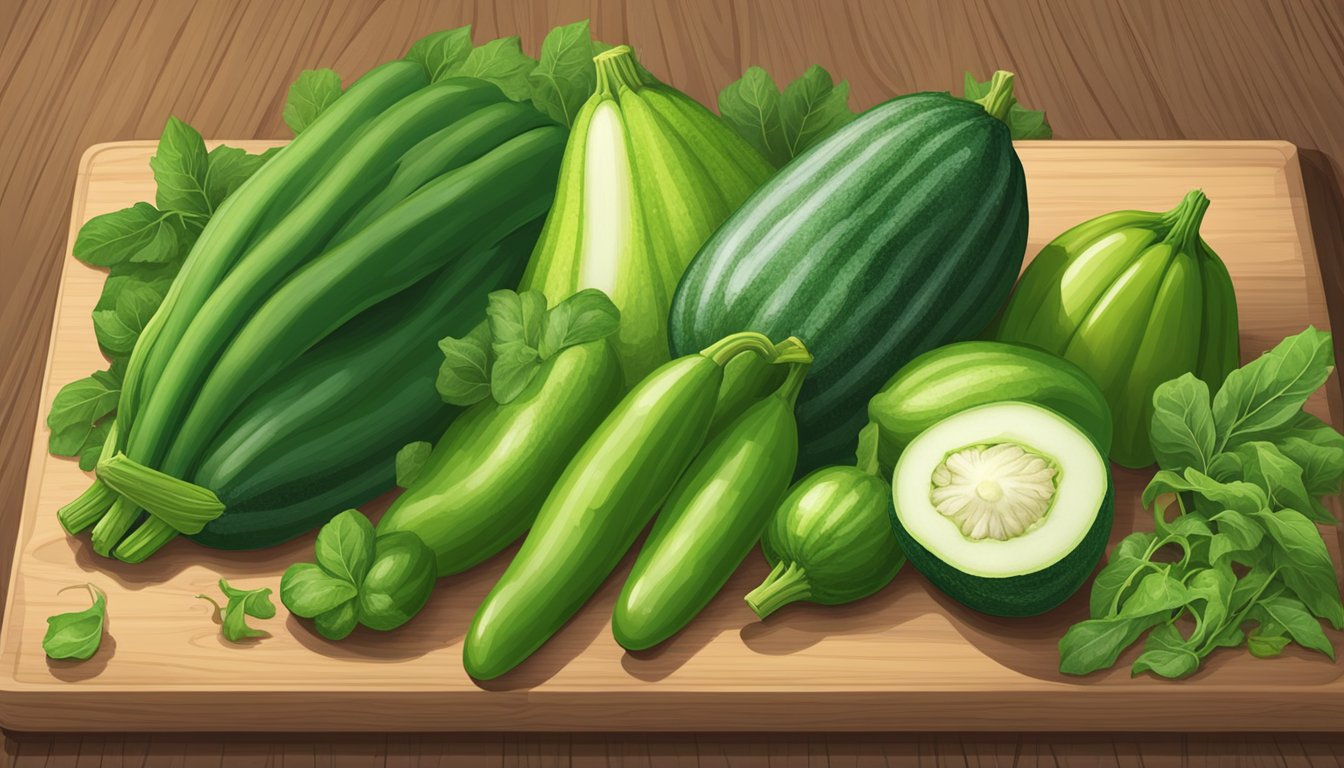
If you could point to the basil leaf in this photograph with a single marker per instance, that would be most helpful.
(307, 590)
(1267, 467)
(337, 623)
(1112, 582)
(1225, 467)
(751, 107)
(344, 546)
(516, 318)
(1266, 643)
(1304, 563)
(1096, 643)
(92, 448)
(226, 170)
(1182, 429)
(140, 233)
(1157, 592)
(312, 92)
(1268, 392)
(1318, 449)
(1136, 545)
(1023, 123)
(241, 604)
(410, 460)
(1292, 615)
(441, 53)
(812, 108)
(118, 328)
(586, 316)
(1165, 653)
(464, 375)
(179, 166)
(565, 76)
(1241, 496)
(1236, 532)
(1210, 591)
(516, 364)
(77, 410)
(503, 63)
(78, 634)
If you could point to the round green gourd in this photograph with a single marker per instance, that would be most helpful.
(829, 542)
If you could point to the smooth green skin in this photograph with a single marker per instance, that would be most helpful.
(398, 583)
(833, 528)
(487, 477)
(746, 380)
(1134, 298)
(710, 522)
(951, 379)
(604, 498)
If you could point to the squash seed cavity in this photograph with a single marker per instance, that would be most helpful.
(997, 491)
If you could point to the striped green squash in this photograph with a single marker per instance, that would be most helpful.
(901, 232)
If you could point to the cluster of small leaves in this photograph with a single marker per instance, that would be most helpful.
(502, 355)
(240, 604)
(78, 634)
(1247, 471)
(326, 591)
(142, 247)
(784, 125)
(1023, 123)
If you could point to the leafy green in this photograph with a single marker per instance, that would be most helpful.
(441, 53)
(410, 460)
(565, 76)
(339, 622)
(118, 327)
(240, 604)
(1023, 123)
(586, 316)
(503, 63)
(141, 233)
(307, 590)
(78, 408)
(516, 364)
(312, 92)
(1247, 470)
(516, 318)
(77, 635)
(784, 125)
(227, 169)
(464, 374)
(180, 164)
(344, 546)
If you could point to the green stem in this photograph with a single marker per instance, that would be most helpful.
(87, 509)
(616, 69)
(793, 383)
(787, 583)
(731, 346)
(145, 540)
(1000, 97)
(1185, 220)
(114, 525)
(184, 506)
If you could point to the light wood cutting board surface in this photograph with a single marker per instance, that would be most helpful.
(907, 658)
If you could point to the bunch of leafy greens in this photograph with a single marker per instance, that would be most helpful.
(142, 248)
(326, 591)
(1023, 123)
(1247, 471)
(77, 635)
(240, 604)
(783, 125)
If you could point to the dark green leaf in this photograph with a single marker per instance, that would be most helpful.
(441, 53)
(1281, 479)
(464, 375)
(309, 96)
(1112, 581)
(1165, 653)
(227, 169)
(1268, 392)
(344, 546)
(503, 63)
(586, 316)
(1292, 615)
(77, 635)
(410, 460)
(1096, 643)
(1023, 123)
(1241, 496)
(751, 107)
(179, 166)
(1182, 429)
(307, 590)
(337, 623)
(76, 411)
(516, 318)
(1138, 544)
(140, 233)
(1225, 467)
(812, 108)
(1156, 592)
(117, 329)
(1210, 592)
(1304, 563)
(516, 364)
(92, 449)
(1318, 449)
(565, 76)
(1236, 532)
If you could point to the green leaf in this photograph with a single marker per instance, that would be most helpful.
(1022, 123)
(464, 375)
(586, 316)
(179, 166)
(140, 233)
(565, 76)
(1182, 429)
(77, 409)
(410, 460)
(1236, 532)
(1157, 592)
(1225, 467)
(1266, 644)
(1268, 392)
(1318, 449)
(344, 546)
(77, 635)
(239, 605)
(1165, 654)
(812, 108)
(1304, 563)
(516, 318)
(516, 364)
(1241, 496)
(1210, 591)
(1281, 479)
(227, 169)
(751, 107)
(307, 590)
(312, 92)
(92, 449)
(503, 63)
(339, 622)
(117, 329)
(1292, 615)
(441, 53)
(1112, 582)
(1096, 643)
(1137, 544)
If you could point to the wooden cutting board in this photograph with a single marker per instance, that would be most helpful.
(905, 659)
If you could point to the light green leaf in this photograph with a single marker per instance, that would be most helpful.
(811, 108)
(516, 364)
(1281, 479)
(1121, 572)
(1241, 496)
(442, 52)
(1182, 432)
(411, 459)
(140, 233)
(1165, 654)
(309, 97)
(503, 63)
(179, 166)
(344, 546)
(1304, 563)
(565, 76)
(76, 410)
(1318, 449)
(307, 590)
(1292, 615)
(1266, 643)
(1157, 592)
(586, 316)
(240, 605)
(1236, 532)
(1268, 392)
(464, 375)
(1096, 643)
(516, 318)
(339, 622)
(751, 107)
(77, 635)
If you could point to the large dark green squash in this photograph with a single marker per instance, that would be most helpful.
(901, 232)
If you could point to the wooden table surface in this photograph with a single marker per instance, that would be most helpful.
(77, 73)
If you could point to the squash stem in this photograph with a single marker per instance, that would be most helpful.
(616, 69)
(1185, 220)
(114, 525)
(1000, 97)
(731, 346)
(793, 383)
(145, 541)
(87, 509)
(185, 506)
(787, 583)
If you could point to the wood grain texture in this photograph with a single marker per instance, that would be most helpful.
(77, 73)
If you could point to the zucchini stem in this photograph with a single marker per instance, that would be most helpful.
(616, 69)
(184, 506)
(145, 540)
(114, 525)
(793, 383)
(1000, 97)
(787, 583)
(1185, 220)
(731, 346)
(88, 508)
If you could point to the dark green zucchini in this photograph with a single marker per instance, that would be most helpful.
(899, 233)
